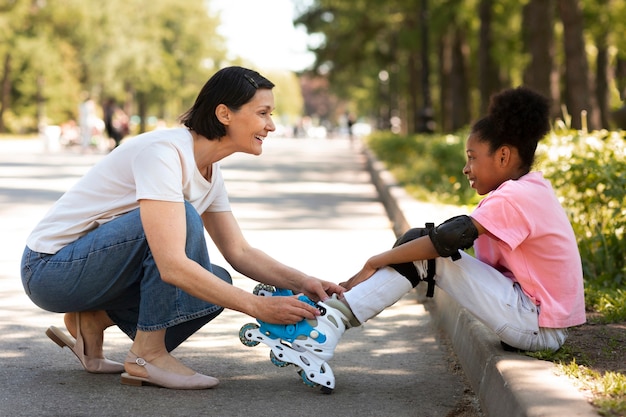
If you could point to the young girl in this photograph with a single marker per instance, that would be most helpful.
(525, 282)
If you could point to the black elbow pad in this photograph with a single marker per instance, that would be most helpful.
(456, 233)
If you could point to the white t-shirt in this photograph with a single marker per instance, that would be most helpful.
(157, 165)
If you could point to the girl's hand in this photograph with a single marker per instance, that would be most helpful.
(365, 272)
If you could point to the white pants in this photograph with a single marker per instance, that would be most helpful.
(497, 302)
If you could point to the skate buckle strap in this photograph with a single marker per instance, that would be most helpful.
(430, 276)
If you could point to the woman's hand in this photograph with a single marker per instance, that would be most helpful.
(319, 290)
(282, 309)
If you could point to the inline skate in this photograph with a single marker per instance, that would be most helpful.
(308, 344)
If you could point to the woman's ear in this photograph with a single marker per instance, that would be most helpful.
(222, 112)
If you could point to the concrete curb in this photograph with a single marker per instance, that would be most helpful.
(507, 384)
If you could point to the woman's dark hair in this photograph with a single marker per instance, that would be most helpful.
(231, 86)
(516, 117)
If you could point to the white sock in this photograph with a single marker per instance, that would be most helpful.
(373, 295)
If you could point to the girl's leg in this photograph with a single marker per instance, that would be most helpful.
(381, 290)
(496, 301)
(493, 298)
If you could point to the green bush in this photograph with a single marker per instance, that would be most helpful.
(430, 167)
(589, 175)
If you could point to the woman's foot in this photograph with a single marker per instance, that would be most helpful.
(164, 371)
(165, 362)
(91, 326)
(149, 362)
(93, 359)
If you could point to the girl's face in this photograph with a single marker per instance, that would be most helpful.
(249, 126)
(483, 169)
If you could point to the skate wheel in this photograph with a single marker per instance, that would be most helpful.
(276, 361)
(326, 390)
(263, 289)
(306, 380)
(243, 334)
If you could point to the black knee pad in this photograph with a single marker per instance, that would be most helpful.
(408, 269)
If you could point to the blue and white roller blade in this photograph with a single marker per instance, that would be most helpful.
(308, 344)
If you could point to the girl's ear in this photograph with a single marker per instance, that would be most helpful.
(504, 153)
(222, 112)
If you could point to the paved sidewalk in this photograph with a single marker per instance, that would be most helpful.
(310, 204)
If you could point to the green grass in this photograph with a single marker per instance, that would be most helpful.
(608, 389)
(609, 302)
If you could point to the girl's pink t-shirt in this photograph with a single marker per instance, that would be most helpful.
(531, 241)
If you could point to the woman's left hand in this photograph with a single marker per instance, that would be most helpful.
(319, 290)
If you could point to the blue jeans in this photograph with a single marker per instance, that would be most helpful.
(111, 268)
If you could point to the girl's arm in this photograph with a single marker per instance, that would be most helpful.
(421, 248)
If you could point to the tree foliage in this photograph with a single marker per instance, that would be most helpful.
(384, 55)
(151, 55)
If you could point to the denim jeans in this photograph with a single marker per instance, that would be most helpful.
(111, 268)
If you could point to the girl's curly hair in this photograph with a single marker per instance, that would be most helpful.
(517, 117)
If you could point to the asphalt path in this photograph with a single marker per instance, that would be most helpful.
(310, 204)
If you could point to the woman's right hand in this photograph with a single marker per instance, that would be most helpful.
(282, 309)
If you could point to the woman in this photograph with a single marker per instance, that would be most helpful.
(125, 246)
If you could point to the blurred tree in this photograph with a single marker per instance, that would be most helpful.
(487, 66)
(287, 96)
(372, 53)
(576, 64)
(538, 36)
(149, 54)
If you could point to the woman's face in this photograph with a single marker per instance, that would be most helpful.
(250, 125)
(482, 167)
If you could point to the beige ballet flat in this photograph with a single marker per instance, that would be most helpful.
(165, 379)
(93, 365)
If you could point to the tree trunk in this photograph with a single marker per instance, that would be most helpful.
(618, 116)
(488, 70)
(455, 90)
(427, 124)
(445, 81)
(460, 86)
(5, 93)
(576, 66)
(413, 122)
(538, 35)
(620, 77)
(602, 84)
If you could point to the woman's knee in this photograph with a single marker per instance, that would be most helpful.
(193, 219)
(195, 245)
(222, 273)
